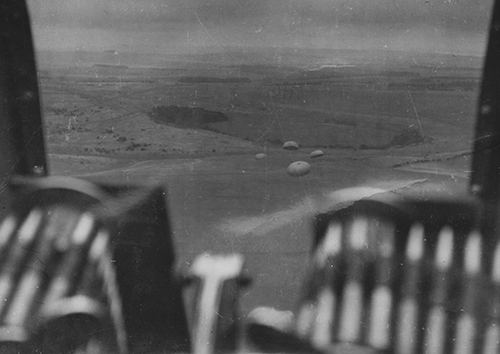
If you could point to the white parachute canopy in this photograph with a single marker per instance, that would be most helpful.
(291, 145)
(316, 153)
(298, 168)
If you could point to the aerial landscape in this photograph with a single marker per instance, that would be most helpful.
(132, 105)
(211, 126)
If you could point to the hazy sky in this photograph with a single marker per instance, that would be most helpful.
(172, 26)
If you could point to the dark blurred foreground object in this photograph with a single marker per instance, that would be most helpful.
(22, 147)
(88, 269)
(396, 276)
(214, 283)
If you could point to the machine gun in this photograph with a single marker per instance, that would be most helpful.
(88, 268)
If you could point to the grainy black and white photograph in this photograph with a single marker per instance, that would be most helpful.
(250, 176)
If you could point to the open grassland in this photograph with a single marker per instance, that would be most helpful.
(105, 109)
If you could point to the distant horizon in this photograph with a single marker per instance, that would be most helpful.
(243, 48)
(304, 59)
